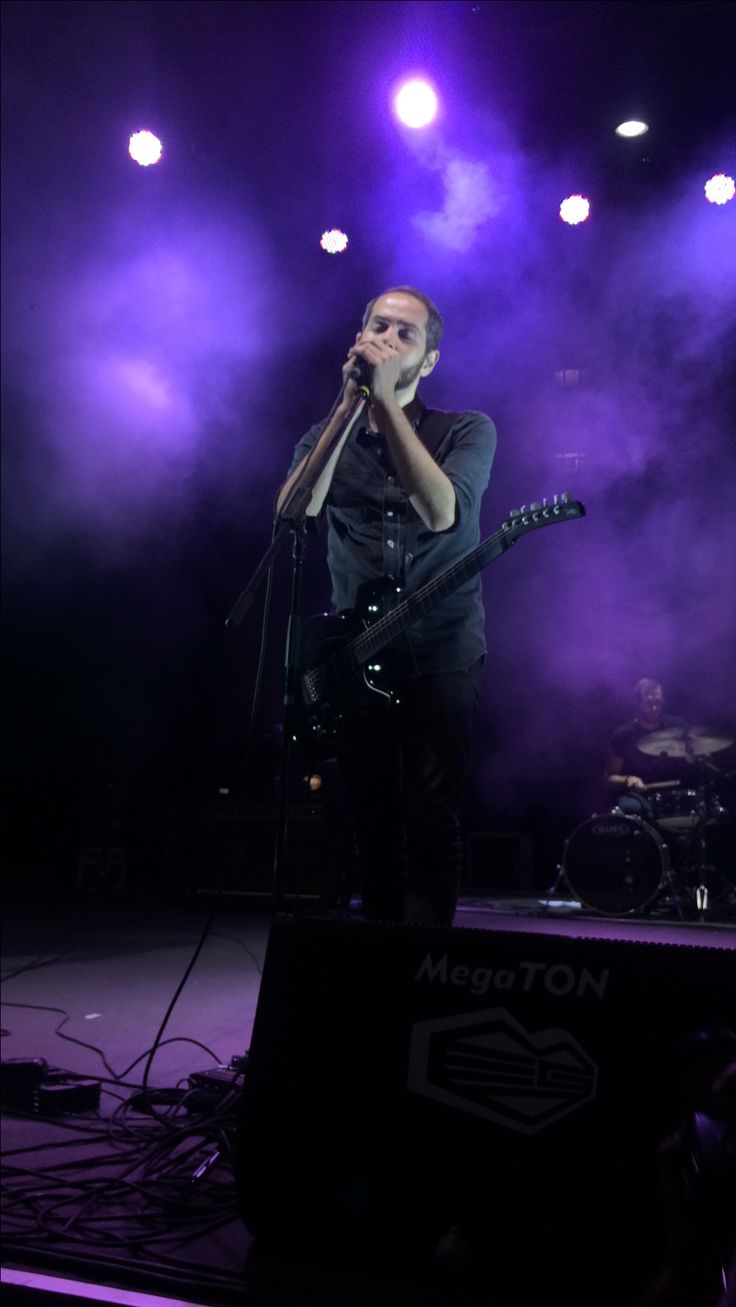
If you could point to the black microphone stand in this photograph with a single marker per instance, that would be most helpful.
(292, 517)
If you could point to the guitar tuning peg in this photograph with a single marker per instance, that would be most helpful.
(565, 497)
(535, 507)
(523, 510)
(515, 512)
(544, 503)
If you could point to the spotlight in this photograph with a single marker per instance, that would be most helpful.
(575, 209)
(719, 189)
(145, 148)
(334, 241)
(632, 128)
(416, 103)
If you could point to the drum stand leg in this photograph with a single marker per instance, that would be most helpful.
(558, 881)
(701, 872)
(672, 890)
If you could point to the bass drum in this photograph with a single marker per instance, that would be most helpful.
(615, 863)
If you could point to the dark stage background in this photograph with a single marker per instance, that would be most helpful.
(169, 333)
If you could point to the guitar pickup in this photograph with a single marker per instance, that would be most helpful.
(312, 685)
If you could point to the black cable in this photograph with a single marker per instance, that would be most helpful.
(46, 1147)
(115, 1078)
(215, 1279)
(175, 998)
(45, 1007)
(154, 1205)
(63, 1122)
(35, 965)
(175, 1039)
(219, 934)
(98, 927)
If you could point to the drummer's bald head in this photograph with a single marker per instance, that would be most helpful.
(645, 687)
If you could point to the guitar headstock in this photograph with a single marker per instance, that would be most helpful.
(560, 508)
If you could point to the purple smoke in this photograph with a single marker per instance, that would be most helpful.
(170, 332)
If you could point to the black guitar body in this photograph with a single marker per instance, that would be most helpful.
(344, 659)
(335, 681)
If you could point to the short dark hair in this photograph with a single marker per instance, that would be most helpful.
(646, 684)
(435, 325)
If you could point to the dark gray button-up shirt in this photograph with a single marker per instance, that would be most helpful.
(373, 531)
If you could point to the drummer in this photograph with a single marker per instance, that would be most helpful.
(630, 770)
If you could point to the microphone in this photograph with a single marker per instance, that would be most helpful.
(360, 372)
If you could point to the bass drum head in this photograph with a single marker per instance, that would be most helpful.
(615, 863)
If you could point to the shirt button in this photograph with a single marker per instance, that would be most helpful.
(390, 544)
(389, 512)
(390, 481)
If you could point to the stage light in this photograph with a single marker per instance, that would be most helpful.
(719, 189)
(334, 241)
(415, 103)
(145, 148)
(632, 128)
(575, 209)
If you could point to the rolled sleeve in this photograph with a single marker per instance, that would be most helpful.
(466, 458)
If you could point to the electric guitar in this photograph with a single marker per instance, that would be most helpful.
(338, 653)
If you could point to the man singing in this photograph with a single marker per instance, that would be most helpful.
(404, 503)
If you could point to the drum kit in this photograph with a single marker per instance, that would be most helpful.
(680, 853)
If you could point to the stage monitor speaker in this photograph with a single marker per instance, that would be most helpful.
(406, 1080)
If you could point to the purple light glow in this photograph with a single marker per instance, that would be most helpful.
(415, 103)
(166, 345)
(145, 346)
(145, 148)
(575, 209)
(334, 241)
(719, 189)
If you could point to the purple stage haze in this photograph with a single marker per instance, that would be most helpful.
(169, 332)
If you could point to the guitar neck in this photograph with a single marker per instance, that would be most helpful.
(387, 628)
(408, 611)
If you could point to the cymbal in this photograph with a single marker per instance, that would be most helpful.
(695, 742)
(669, 744)
(703, 739)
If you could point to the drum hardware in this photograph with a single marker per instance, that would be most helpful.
(705, 855)
(679, 809)
(684, 853)
(618, 864)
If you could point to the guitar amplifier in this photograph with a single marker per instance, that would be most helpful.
(237, 844)
(404, 1081)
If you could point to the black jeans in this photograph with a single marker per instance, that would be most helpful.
(405, 769)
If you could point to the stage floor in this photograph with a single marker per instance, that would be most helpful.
(107, 1197)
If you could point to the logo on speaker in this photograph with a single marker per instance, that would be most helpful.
(485, 1063)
